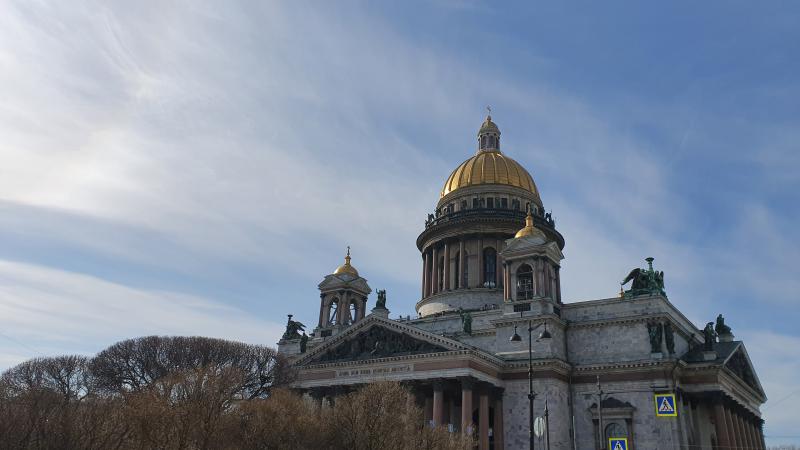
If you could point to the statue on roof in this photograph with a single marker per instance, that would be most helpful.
(466, 321)
(381, 302)
(293, 329)
(303, 342)
(645, 281)
(710, 336)
(721, 329)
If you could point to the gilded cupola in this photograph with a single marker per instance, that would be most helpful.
(529, 229)
(489, 166)
(346, 268)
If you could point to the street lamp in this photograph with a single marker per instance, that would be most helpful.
(543, 336)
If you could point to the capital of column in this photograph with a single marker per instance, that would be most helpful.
(467, 383)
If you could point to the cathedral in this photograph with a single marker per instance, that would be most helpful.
(495, 351)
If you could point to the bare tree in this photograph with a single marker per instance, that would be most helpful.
(197, 393)
(134, 364)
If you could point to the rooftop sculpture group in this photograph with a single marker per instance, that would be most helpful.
(293, 329)
(645, 281)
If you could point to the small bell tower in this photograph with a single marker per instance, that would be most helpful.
(531, 265)
(489, 135)
(343, 299)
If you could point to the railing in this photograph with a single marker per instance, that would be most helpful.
(515, 214)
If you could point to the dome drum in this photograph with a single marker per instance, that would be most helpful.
(498, 220)
(474, 299)
(484, 203)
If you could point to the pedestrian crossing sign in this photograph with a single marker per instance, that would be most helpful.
(617, 444)
(665, 405)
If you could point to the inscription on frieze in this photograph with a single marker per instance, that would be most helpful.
(378, 371)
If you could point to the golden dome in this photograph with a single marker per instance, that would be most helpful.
(490, 167)
(346, 268)
(529, 229)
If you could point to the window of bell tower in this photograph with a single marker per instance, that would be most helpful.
(333, 311)
(524, 282)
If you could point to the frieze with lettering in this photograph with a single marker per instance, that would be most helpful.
(377, 371)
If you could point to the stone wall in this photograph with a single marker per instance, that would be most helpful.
(516, 416)
(645, 430)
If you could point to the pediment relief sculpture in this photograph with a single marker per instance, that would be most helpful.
(377, 342)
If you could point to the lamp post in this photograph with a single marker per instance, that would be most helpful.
(544, 336)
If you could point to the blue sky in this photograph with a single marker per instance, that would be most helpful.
(198, 167)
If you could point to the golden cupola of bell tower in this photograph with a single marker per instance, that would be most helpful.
(483, 203)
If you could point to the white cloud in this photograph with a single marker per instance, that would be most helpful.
(50, 311)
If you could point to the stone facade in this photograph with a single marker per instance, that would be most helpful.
(491, 260)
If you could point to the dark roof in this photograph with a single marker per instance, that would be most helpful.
(723, 349)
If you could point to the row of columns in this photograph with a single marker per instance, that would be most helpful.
(442, 411)
(436, 266)
(736, 428)
(440, 406)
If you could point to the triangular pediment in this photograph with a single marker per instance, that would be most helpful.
(739, 363)
(374, 338)
(532, 245)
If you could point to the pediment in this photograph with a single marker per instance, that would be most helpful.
(532, 245)
(739, 363)
(374, 338)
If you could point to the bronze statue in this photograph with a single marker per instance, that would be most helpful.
(645, 281)
(293, 329)
(710, 336)
(654, 330)
(669, 338)
(303, 342)
(381, 302)
(721, 328)
(466, 321)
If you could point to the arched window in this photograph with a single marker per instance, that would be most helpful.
(333, 310)
(524, 282)
(489, 267)
(615, 430)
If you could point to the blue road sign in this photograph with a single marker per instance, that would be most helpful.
(617, 444)
(665, 405)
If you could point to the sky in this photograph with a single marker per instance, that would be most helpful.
(197, 168)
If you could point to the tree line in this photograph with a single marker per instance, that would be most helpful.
(197, 393)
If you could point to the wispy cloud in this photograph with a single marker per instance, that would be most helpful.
(55, 312)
